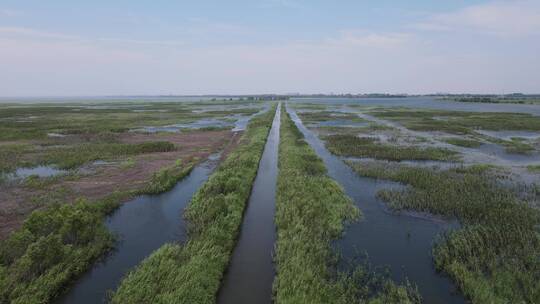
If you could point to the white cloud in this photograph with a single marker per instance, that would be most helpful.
(507, 18)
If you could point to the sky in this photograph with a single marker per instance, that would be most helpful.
(130, 47)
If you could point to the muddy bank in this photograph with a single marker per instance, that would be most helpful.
(97, 180)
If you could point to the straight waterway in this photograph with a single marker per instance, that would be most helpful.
(251, 271)
(401, 242)
(142, 225)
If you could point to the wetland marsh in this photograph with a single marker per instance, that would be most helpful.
(305, 200)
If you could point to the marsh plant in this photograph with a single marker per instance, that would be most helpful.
(351, 145)
(52, 248)
(311, 212)
(495, 256)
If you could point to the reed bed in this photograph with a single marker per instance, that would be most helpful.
(166, 178)
(495, 256)
(51, 249)
(351, 145)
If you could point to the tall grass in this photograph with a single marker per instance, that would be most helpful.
(191, 273)
(311, 211)
(351, 145)
(495, 257)
(51, 249)
(166, 178)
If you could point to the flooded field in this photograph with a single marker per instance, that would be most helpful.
(384, 233)
(472, 151)
(335, 200)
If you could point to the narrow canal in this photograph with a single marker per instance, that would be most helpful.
(142, 226)
(251, 271)
(400, 242)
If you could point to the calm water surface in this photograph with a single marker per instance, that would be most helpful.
(142, 226)
(251, 272)
(427, 103)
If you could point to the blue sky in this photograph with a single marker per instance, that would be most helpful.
(268, 46)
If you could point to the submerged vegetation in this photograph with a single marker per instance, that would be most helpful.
(191, 273)
(350, 145)
(458, 122)
(311, 211)
(495, 257)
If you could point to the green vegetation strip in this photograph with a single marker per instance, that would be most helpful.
(191, 273)
(351, 145)
(495, 257)
(463, 142)
(311, 211)
(74, 156)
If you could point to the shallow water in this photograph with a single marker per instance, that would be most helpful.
(507, 135)
(401, 242)
(442, 165)
(426, 103)
(238, 122)
(142, 225)
(511, 158)
(251, 271)
(341, 123)
(242, 122)
(41, 171)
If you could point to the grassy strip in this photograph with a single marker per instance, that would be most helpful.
(166, 178)
(311, 210)
(462, 142)
(52, 248)
(533, 168)
(191, 273)
(328, 115)
(495, 257)
(350, 145)
(72, 157)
